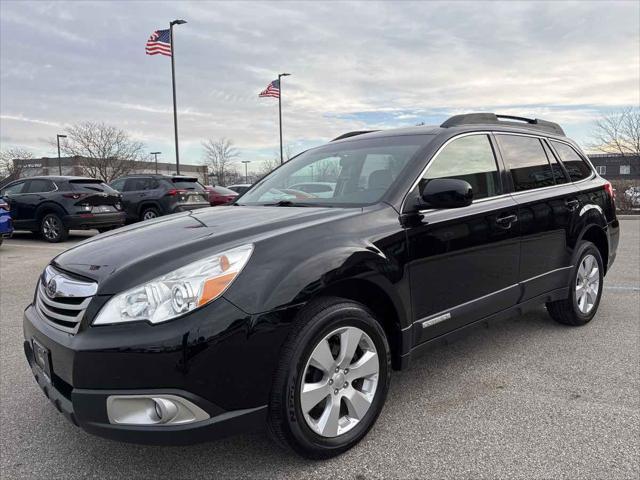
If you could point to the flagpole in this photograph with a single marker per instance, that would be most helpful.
(280, 75)
(173, 85)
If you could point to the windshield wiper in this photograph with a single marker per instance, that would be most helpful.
(287, 203)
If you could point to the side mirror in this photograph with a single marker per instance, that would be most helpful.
(446, 193)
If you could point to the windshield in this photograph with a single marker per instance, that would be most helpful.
(354, 173)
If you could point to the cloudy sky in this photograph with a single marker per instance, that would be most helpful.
(353, 65)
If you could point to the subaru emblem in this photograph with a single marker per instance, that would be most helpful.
(52, 288)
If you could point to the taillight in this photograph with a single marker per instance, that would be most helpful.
(609, 189)
(174, 191)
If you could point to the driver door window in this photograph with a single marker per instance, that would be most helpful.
(471, 159)
(14, 189)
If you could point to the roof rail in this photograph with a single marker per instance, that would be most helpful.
(494, 119)
(352, 134)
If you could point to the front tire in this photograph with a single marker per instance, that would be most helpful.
(53, 229)
(585, 289)
(332, 379)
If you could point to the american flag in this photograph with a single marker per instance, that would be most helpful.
(272, 90)
(159, 43)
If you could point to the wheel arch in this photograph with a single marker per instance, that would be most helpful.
(147, 204)
(381, 304)
(49, 207)
(595, 234)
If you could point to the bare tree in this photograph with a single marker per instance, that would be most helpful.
(618, 133)
(220, 155)
(8, 168)
(108, 152)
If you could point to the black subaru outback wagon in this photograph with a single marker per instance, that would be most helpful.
(293, 314)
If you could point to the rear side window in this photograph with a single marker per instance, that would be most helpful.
(470, 159)
(576, 167)
(558, 173)
(526, 160)
(40, 186)
(187, 184)
(90, 186)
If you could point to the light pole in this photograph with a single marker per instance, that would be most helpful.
(280, 75)
(155, 154)
(246, 175)
(58, 137)
(173, 84)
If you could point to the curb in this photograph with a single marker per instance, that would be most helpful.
(628, 217)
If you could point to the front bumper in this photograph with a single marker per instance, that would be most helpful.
(218, 358)
(94, 220)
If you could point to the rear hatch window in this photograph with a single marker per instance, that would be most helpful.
(88, 186)
(223, 191)
(187, 184)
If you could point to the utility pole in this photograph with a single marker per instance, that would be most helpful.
(58, 137)
(246, 174)
(280, 75)
(173, 84)
(155, 154)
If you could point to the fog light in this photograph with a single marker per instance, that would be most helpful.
(153, 410)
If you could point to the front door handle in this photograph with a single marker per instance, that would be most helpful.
(506, 221)
(572, 204)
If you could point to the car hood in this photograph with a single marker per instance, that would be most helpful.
(131, 255)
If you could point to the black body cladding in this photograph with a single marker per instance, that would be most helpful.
(423, 272)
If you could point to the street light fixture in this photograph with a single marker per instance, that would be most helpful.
(246, 175)
(58, 137)
(155, 154)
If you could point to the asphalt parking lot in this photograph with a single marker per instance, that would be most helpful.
(524, 398)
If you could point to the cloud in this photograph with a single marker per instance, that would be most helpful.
(354, 66)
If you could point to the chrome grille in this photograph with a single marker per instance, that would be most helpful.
(62, 300)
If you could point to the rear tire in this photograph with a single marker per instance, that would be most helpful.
(149, 213)
(349, 396)
(585, 289)
(53, 229)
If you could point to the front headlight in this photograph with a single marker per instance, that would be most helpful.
(177, 292)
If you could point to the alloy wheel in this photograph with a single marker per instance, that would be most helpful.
(149, 214)
(339, 382)
(51, 228)
(587, 284)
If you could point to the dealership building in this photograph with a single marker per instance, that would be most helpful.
(617, 166)
(74, 166)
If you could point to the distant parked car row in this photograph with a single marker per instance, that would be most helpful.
(52, 205)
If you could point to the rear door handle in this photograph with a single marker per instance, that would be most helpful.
(507, 220)
(572, 204)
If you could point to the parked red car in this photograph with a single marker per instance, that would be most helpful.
(220, 195)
